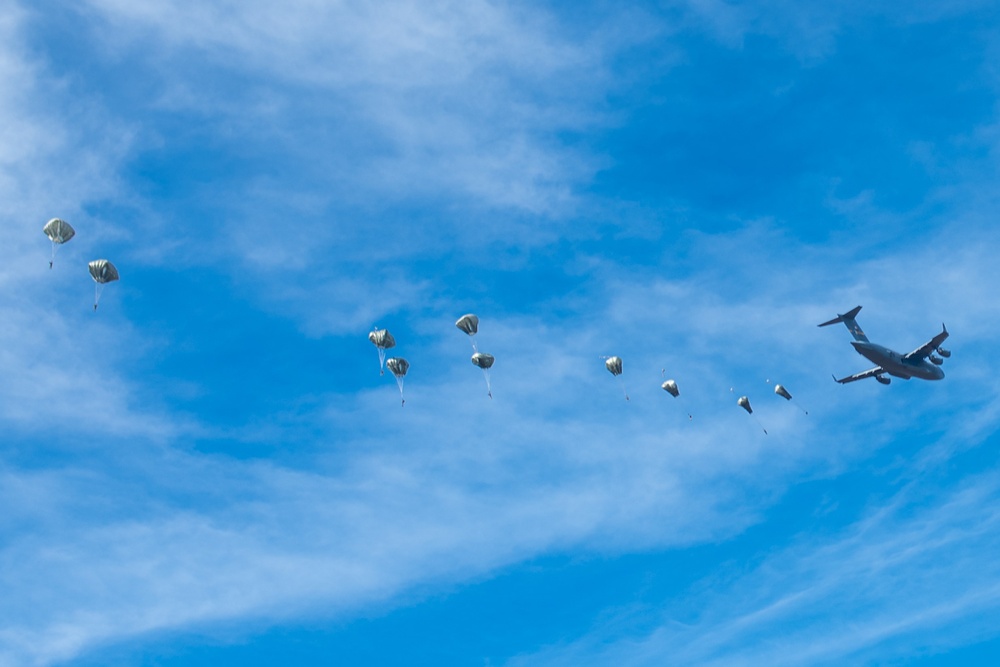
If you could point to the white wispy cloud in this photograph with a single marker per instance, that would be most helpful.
(914, 575)
(404, 99)
(449, 488)
(60, 155)
(150, 535)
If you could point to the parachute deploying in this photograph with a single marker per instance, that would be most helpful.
(59, 232)
(781, 391)
(671, 388)
(484, 361)
(614, 366)
(398, 366)
(103, 272)
(744, 403)
(383, 340)
(469, 324)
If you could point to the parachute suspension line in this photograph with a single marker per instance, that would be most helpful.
(744, 403)
(98, 288)
(614, 366)
(469, 324)
(399, 367)
(781, 391)
(671, 388)
(399, 381)
(489, 389)
(382, 340)
(485, 363)
(52, 259)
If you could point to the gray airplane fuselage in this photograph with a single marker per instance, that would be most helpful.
(894, 363)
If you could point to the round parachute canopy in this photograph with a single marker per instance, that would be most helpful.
(614, 365)
(744, 403)
(468, 323)
(482, 360)
(781, 391)
(398, 366)
(382, 339)
(103, 271)
(58, 231)
(671, 388)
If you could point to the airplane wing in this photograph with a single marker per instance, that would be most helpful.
(924, 350)
(870, 373)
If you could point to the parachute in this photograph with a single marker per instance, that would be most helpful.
(744, 403)
(614, 366)
(103, 272)
(398, 366)
(469, 324)
(671, 388)
(59, 232)
(383, 340)
(781, 391)
(484, 361)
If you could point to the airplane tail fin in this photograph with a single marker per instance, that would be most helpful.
(851, 324)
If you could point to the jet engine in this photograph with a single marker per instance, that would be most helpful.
(943, 352)
(937, 361)
(883, 379)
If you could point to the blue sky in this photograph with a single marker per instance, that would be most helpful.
(210, 470)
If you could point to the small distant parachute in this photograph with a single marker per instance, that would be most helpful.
(784, 393)
(383, 340)
(484, 361)
(103, 272)
(398, 366)
(469, 323)
(614, 366)
(744, 403)
(59, 232)
(671, 388)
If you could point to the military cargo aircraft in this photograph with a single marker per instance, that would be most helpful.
(921, 363)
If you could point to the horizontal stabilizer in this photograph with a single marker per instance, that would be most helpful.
(850, 315)
(851, 324)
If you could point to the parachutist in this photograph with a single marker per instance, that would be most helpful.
(469, 323)
(485, 362)
(614, 366)
(59, 232)
(103, 272)
(383, 340)
(399, 367)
